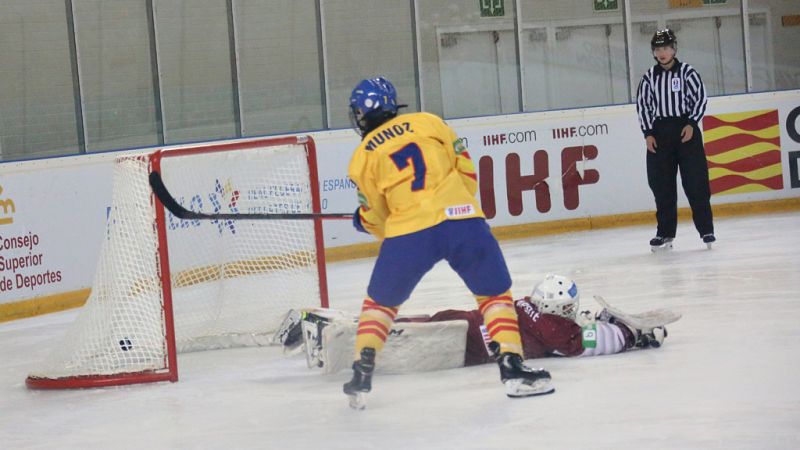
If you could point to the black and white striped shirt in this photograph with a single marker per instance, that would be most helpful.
(678, 92)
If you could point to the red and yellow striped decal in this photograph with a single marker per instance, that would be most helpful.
(744, 152)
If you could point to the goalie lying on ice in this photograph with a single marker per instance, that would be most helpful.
(548, 320)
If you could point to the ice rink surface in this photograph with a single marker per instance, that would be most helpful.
(726, 378)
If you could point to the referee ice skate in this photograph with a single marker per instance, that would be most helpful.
(670, 102)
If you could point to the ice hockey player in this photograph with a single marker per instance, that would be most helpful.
(416, 189)
(550, 326)
(548, 321)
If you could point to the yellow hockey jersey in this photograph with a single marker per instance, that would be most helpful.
(412, 173)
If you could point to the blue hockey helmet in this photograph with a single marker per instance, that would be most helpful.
(372, 102)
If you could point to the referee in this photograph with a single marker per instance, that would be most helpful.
(670, 102)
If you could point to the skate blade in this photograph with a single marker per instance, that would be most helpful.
(660, 248)
(709, 245)
(357, 401)
(518, 388)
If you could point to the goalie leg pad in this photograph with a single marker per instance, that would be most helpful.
(411, 346)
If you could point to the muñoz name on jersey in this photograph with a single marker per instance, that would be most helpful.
(386, 134)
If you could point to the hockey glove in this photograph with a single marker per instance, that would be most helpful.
(635, 337)
(651, 339)
(357, 221)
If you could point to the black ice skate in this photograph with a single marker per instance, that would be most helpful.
(521, 380)
(709, 239)
(361, 383)
(659, 243)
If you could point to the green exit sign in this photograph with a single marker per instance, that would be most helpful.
(606, 5)
(492, 8)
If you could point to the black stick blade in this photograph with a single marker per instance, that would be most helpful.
(169, 202)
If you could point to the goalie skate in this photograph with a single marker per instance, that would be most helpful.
(290, 333)
(301, 330)
(312, 339)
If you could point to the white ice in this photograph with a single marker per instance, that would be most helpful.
(726, 377)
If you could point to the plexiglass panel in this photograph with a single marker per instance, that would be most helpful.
(774, 51)
(365, 39)
(469, 61)
(196, 69)
(709, 39)
(573, 54)
(201, 70)
(37, 94)
(114, 45)
(280, 78)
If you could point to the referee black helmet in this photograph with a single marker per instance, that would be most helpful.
(663, 38)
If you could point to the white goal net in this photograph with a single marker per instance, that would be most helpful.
(216, 283)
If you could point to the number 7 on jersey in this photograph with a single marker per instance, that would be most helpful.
(411, 154)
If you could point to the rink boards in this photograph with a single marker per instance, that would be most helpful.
(538, 173)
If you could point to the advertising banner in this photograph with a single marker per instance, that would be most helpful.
(52, 225)
(532, 167)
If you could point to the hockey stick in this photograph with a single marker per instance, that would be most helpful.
(169, 202)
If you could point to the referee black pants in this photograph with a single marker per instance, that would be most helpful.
(662, 169)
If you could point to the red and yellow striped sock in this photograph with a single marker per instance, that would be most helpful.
(500, 319)
(374, 324)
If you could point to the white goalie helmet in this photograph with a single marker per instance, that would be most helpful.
(558, 295)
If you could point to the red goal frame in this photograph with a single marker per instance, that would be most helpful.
(170, 372)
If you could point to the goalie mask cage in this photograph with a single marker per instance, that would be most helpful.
(165, 285)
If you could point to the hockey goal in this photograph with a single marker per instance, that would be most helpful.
(165, 285)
